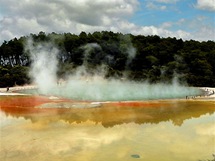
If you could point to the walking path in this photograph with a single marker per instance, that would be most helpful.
(12, 90)
(209, 91)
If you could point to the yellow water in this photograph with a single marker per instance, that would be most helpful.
(174, 130)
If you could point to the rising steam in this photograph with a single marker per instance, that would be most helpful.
(44, 65)
(84, 86)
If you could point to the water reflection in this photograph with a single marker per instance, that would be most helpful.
(152, 131)
(108, 114)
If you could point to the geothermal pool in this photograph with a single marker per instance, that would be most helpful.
(51, 128)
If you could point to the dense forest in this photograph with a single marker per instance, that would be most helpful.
(136, 58)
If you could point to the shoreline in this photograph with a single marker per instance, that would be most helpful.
(209, 93)
(12, 90)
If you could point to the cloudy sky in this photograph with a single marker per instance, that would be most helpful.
(186, 19)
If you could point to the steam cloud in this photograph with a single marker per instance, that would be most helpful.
(44, 65)
(84, 86)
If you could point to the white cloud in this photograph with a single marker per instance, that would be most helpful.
(200, 28)
(166, 1)
(6, 34)
(20, 18)
(153, 6)
(166, 25)
(204, 32)
(206, 5)
(153, 30)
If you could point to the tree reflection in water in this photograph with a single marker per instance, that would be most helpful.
(42, 128)
(37, 108)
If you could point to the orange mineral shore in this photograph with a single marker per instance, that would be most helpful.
(49, 109)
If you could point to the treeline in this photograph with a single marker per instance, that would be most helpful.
(127, 56)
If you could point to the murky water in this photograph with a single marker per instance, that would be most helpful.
(41, 128)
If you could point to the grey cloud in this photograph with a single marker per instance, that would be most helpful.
(22, 17)
(28, 16)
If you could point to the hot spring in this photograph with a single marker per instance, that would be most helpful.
(156, 130)
(130, 123)
(92, 85)
(116, 90)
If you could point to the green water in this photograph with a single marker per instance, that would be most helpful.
(117, 91)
